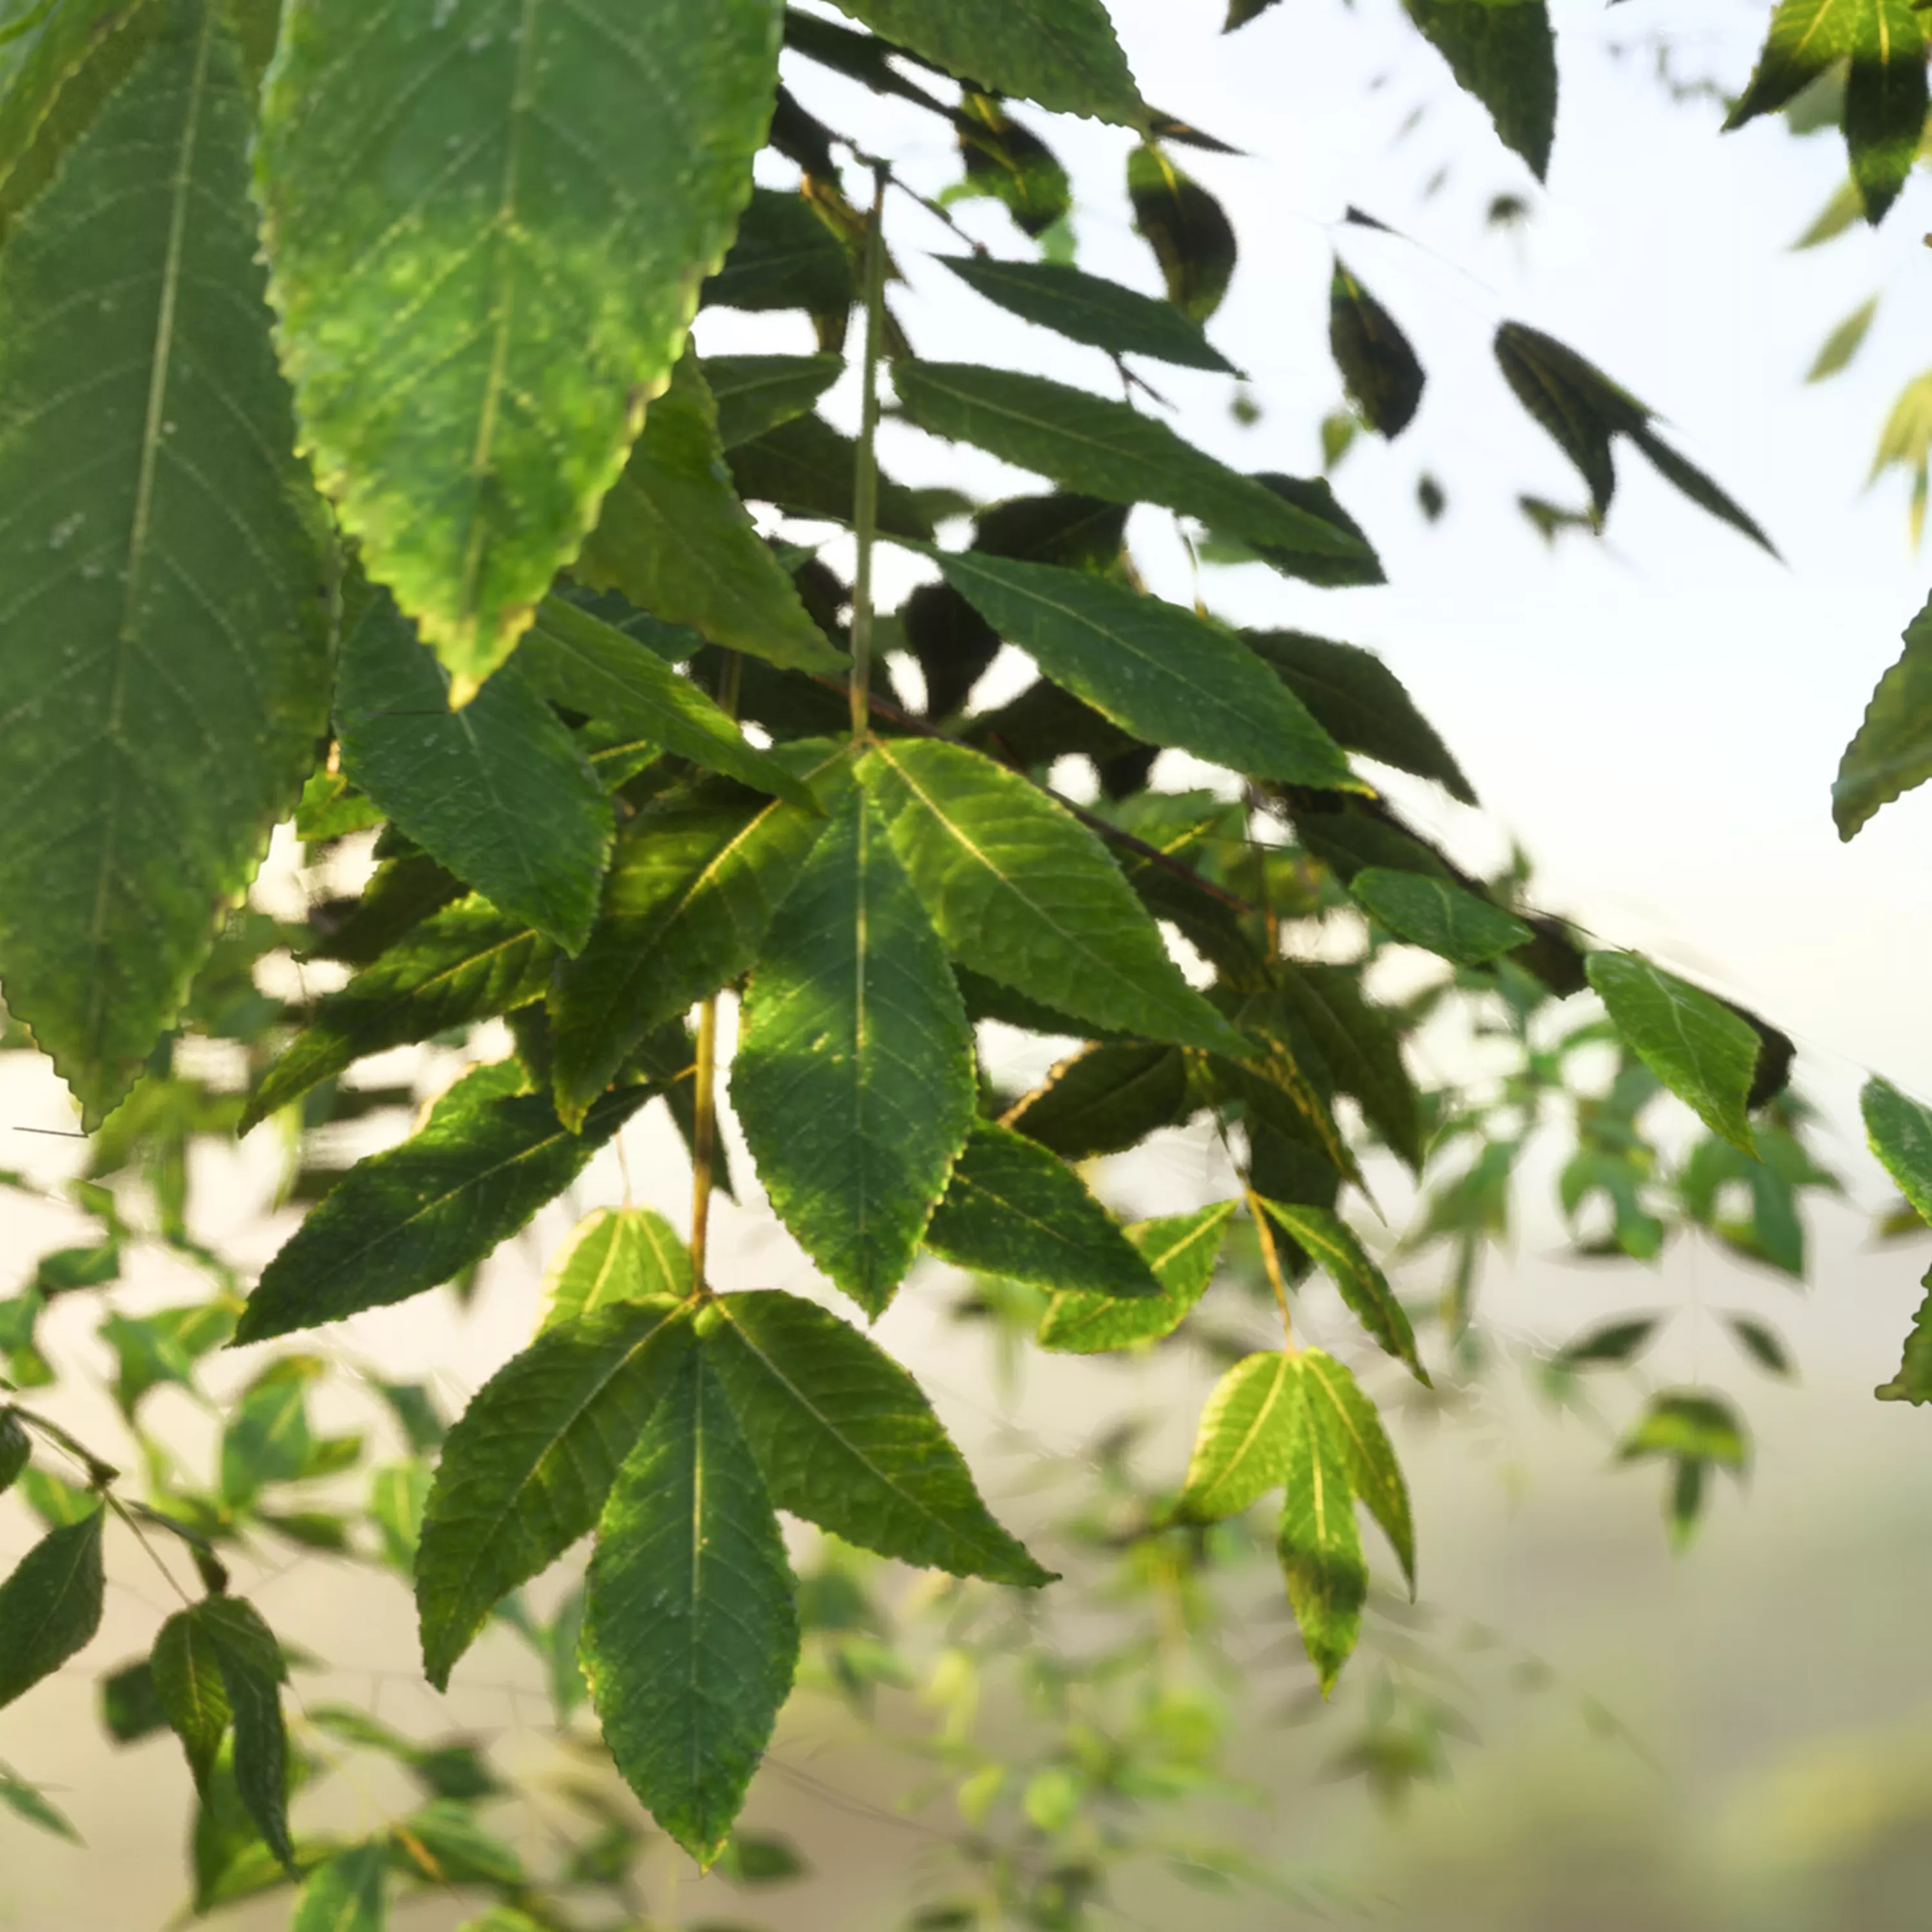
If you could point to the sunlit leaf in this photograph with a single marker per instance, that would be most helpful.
(1181, 1249)
(1320, 1543)
(1330, 1243)
(1246, 1435)
(614, 1254)
(1432, 913)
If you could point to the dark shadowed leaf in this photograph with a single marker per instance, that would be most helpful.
(1762, 1343)
(1359, 1044)
(1614, 1344)
(806, 467)
(756, 393)
(1105, 1099)
(1011, 163)
(1191, 238)
(785, 257)
(1506, 56)
(1377, 363)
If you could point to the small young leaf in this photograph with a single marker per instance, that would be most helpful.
(1021, 891)
(50, 1605)
(1155, 669)
(1892, 752)
(1900, 1131)
(1699, 1048)
(674, 539)
(526, 1470)
(1181, 1249)
(1762, 1343)
(1320, 1543)
(1691, 1424)
(500, 792)
(756, 393)
(846, 1439)
(28, 1801)
(1106, 448)
(1844, 343)
(17, 1448)
(1350, 1420)
(404, 1222)
(1506, 57)
(1012, 1210)
(854, 1080)
(1913, 1382)
(1191, 238)
(1612, 1345)
(1377, 363)
(1087, 308)
(1431, 913)
(448, 1847)
(615, 1255)
(1247, 1433)
(690, 1634)
(345, 1893)
(1106, 1099)
(1331, 1244)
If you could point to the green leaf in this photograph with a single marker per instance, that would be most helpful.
(176, 652)
(1900, 1132)
(163, 1347)
(1107, 1098)
(1021, 891)
(757, 393)
(1109, 449)
(1614, 1344)
(697, 874)
(1688, 1423)
(1359, 1044)
(676, 541)
(249, 1661)
(1320, 1544)
(1242, 1448)
(578, 660)
(1013, 1209)
(1706, 1054)
(498, 792)
(267, 1438)
(807, 467)
(1350, 1420)
(1763, 1344)
(466, 963)
(1379, 367)
(1431, 913)
(1087, 308)
(786, 256)
(1892, 752)
(448, 1846)
(187, 1680)
(1331, 1244)
(527, 1468)
(1505, 55)
(469, 384)
(690, 1634)
(1191, 238)
(50, 1605)
(853, 1079)
(1061, 53)
(847, 1439)
(1157, 670)
(17, 1449)
(1361, 704)
(1181, 1249)
(1012, 164)
(345, 1895)
(1913, 1382)
(1836, 351)
(1241, 12)
(28, 1801)
(615, 1255)
(404, 1222)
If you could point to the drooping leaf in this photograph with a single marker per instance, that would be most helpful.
(676, 541)
(854, 1080)
(1900, 1132)
(1087, 308)
(1157, 670)
(160, 563)
(1432, 913)
(1012, 1209)
(757, 393)
(404, 1222)
(615, 1255)
(576, 660)
(1242, 1448)
(500, 792)
(188, 1682)
(1021, 891)
(1106, 1099)
(847, 1439)
(50, 1605)
(690, 896)
(527, 1468)
(1361, 1049)
(1191, 238)
(1078, 532)
(1106, 448)
(1892, 752)
(785, 257)
(488, 225)
(249, 1660)
(1374, 1473)
(1689, 1423)
(466, 963)
(1060, 53)
(1913, 1382)
(1181, 1249)
(690, 1634)
(1361, 704)
(807, 467)
(1506, 56)
(345, 1893)
(1331, 1244)
(1320, 1543)
(1377, 363)
(1705, 1053)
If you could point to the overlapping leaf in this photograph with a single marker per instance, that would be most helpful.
(1433, 913)
(1104, 1100)
(757, 393)
(1331, 1244)
(160, 574)
(1246, 1434)
(1376, 1476)
(344, 1894)
(1358, 1043)
(487, 222)
(853, 1079)
(615, 1255)
(1181, 1249)
(1191, 236)
(785, 257)
(1320, 1543)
